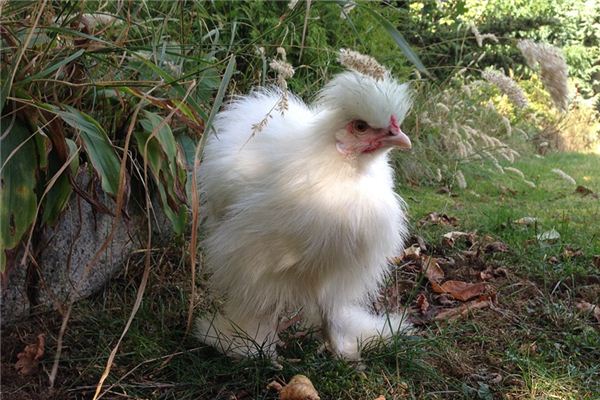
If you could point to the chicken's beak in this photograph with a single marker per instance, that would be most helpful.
(397, 138)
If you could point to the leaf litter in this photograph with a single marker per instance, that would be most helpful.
(29, 359)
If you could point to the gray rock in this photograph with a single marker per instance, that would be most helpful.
(14, 303)
(65, 251)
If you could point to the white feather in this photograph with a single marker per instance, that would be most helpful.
(292, 223)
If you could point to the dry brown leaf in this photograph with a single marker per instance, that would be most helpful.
(570, 252)
(464, 309)
(435, 218)
(432, 269)
(421, 243)
(582, 190)
(496, 247)
(382, 397)
(487, 274)
(596, 261)
(462, 291)
(450, 238)
(29, 359)
(590, 308)
(299, 388)
(413, 252)
(422, 303)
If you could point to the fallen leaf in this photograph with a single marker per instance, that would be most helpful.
(432, 269)
(553, 260)
(496, 247)
(526, 221)
(596, 261)
(501, 271)
(299, 388)
(435, 218)
(413, 252)
(582, 190)
(454, 313)
(422, 303)
(549, 236)
(29, 359)
(421, 243)
(450, 238)
(462, 291)
(590, 308)
(570, 252)
(487, 274)
(446, 300)
(382, 397)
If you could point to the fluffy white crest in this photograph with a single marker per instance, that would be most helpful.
(361, 96)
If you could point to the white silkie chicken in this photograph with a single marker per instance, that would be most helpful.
(303, 214)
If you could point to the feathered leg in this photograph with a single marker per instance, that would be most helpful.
(350, 327)
(244, 336)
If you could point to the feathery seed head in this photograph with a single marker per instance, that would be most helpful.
(553, 69)
(364, 64)
(507, 86)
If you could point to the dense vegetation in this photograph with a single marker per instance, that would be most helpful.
(127, 90)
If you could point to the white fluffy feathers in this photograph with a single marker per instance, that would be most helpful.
(293, 224)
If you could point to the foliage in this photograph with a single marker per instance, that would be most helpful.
(442, 30)
(83, 79)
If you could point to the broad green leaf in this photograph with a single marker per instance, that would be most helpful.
(18, 201)
(164, 134)
(398, 38)
(153, 152)
(97, 145)
(160, 152)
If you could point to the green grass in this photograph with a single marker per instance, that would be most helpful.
(535, 344)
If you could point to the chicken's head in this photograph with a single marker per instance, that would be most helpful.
(367, 112)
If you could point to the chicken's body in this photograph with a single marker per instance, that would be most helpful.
(295, 221)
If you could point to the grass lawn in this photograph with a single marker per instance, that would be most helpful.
(532, 343)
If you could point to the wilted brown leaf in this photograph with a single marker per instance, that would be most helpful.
(464, 309)
(29, 360)
(596, 261)
(582, 190)
(462, 291)
(486, 274)
(413, 252)
(446, 300)
(435, 218)
(432, 269)
(422, 303)
(450, 238)
(496, 247)
(299, 388)
(570, 252)
(590, 308)
(421, 243)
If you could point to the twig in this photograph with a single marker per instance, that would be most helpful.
(59, 342)
(308, 2)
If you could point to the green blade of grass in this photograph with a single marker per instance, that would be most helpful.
(399, 39)
(54, 67)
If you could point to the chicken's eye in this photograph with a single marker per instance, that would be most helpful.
(360, 126)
